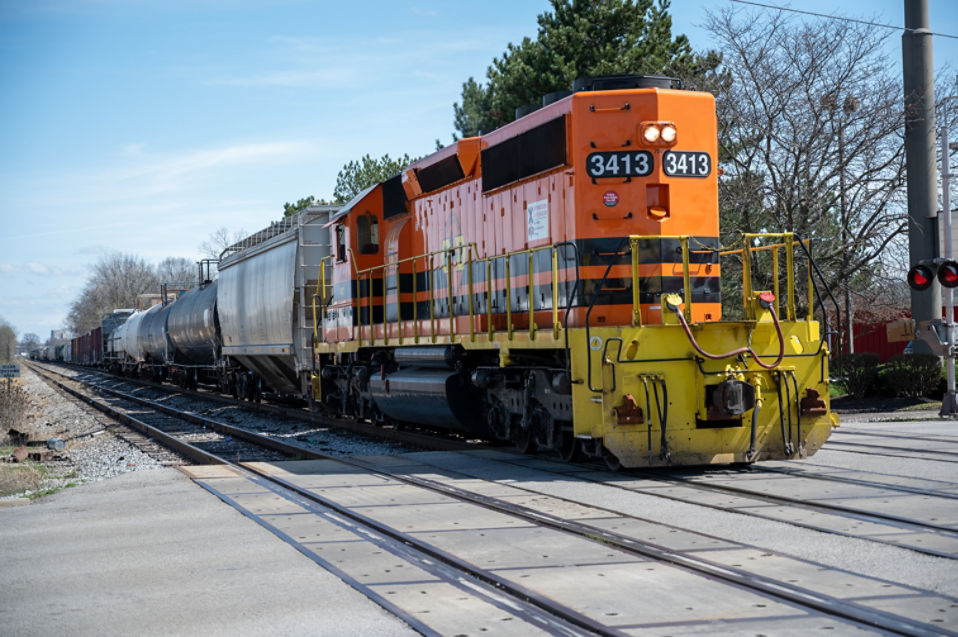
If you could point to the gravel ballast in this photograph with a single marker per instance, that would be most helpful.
(92, 451)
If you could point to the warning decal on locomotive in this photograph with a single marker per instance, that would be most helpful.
(687, 164)
(537, 214)
(620, 164)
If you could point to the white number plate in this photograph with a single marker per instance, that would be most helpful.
(619, 164)
(686, 164)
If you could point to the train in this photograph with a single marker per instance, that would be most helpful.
(557, 284)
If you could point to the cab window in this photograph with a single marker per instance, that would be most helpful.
(367, 234)
(341, 242)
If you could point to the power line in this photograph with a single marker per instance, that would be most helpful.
(835, 17)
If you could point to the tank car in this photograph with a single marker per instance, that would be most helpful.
(557, 283)
(125, 352)
(153, 342)
(194, 334)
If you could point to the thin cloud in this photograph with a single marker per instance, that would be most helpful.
(42, 268)
(337, 63)
(315, 79)
(207, 159)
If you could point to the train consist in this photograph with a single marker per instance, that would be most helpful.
(556, 283)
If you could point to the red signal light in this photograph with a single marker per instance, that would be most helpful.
(920, 277)
(948, 274)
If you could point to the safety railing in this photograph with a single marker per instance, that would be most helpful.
(464, 256)
(321, 289)
(448, 260)
(784, 241)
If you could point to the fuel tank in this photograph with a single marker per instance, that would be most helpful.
(433, 397)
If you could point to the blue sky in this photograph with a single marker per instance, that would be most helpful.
(143, 126)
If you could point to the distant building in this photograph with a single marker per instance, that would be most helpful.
(58, 335)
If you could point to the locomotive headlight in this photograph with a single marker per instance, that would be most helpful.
(651, 133)
(668, 133)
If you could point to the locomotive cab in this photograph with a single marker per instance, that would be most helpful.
(355, 231)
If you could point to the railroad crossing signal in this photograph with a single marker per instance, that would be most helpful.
(924, 273)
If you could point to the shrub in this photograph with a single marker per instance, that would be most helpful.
(913, 375)
(858, 372)
(17, 478)
(14, 403)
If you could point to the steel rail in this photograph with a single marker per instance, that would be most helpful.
(898, 436)
(544, 604)
(411, 438)
(291, 449)
(866, 445)
(185, 449)
(798, 473)
(802, 597)
(761, 516)
(867, 516)
(821, 602)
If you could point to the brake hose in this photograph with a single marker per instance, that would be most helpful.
(766, 300)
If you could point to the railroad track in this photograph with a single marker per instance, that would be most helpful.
(922, 536)
(389, 514)
(414, 439)
(191, 437)
(893, 452)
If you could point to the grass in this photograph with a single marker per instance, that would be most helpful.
(14, 403)
(30, 476)
(45, 492)
(17, 478)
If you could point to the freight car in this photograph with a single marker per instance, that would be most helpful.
(557, 283)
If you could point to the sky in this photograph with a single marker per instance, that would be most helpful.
(143, 126)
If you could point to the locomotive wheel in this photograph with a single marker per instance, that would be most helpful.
(523, 439)
(568, 446)
(611, 461)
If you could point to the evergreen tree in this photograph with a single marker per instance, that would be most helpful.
(356, 176)
(579, 39)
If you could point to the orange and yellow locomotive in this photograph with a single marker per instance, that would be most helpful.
(557, 283)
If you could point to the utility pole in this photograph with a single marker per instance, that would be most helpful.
(949, 403)
(919, 87)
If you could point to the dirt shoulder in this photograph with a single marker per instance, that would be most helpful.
(82, 446)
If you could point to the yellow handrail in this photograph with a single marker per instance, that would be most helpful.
(786, 241)
(320, 292)
(455, 257)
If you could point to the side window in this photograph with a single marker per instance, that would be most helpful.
(367, 235)
(341, 242)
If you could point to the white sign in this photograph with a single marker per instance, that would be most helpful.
(9, 371)
(537, 216)
(595, 343)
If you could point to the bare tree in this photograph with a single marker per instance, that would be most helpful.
(176, 269)
(8, 342)
(115, 282)
(29, 342)
(811, 139)
(213, 247)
